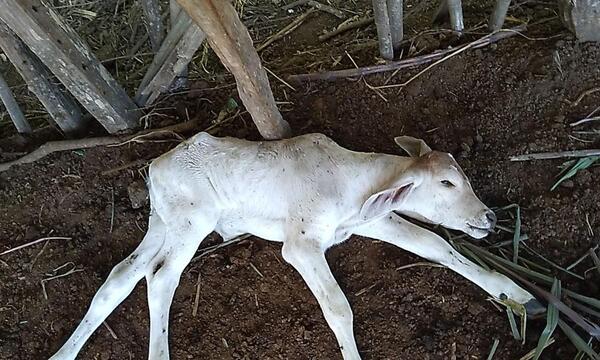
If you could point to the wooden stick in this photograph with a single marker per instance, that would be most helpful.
(384, 32)
(172, 59)
(110, 330)
(294, 4)
(211, 249)
(441, 15)
(317, 5)
(63, 51)
(556, 155)
(181, 80)
(13, 108)
(178, 29)
(117, 169)
(499, 14)
(286, 30)
(406, 63)
(581, 17)
(153, 23)
(346, 27)
(231, 41)
(583, 121)
(456, 15)
(63, 109)
(64, 145)
(326, 8)
(366, 21)
(583, 95)
(395, 14)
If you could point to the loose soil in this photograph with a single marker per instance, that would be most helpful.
(482, 106)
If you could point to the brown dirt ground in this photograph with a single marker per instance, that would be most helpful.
(482, 106)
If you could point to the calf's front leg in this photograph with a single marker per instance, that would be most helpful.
(395, 230)
(308, 258)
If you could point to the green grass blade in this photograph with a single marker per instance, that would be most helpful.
(595, 259)
(580, 354)
(584, 299)
(581, 164)
(551, 322)
(533, 265)
(579, 343)
(468, 253)
(530, 354)
(486, 255)
(493, 349)
(513, 324)
(554, 265)
(517, 235)
(507, 207)
(586, 309)
(583, 257)
(521, 273)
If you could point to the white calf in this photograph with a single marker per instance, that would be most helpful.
(308, 193)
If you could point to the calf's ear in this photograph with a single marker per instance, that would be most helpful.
(385, 201)
(413, 146)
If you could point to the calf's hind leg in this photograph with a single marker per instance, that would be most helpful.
(119, 284)
(164, 273)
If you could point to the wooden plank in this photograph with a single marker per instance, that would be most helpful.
(13, 109)
(71, 61)
(231, 41)
(63, 109)
(181, 80)
(153, 23)
(172, 59)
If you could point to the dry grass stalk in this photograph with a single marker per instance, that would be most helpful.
(33, 243)
(285, 30)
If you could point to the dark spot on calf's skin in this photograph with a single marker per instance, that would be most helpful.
(158, 267)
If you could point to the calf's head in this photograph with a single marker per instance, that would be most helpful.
(433, 189)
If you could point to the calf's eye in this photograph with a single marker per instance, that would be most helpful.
(447, 183)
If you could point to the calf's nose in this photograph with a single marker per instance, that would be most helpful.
(491, 216)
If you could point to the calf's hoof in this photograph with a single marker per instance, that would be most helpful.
(534, 309)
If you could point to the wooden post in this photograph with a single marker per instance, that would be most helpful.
(63, 110)
(231, 41)
(153, 23)
(71, 61)
(174, 55)
(395, 13)
(451, 9)
(13, 109)
(384, 32)
(499, 14)
(582, 17)
(456, 15)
